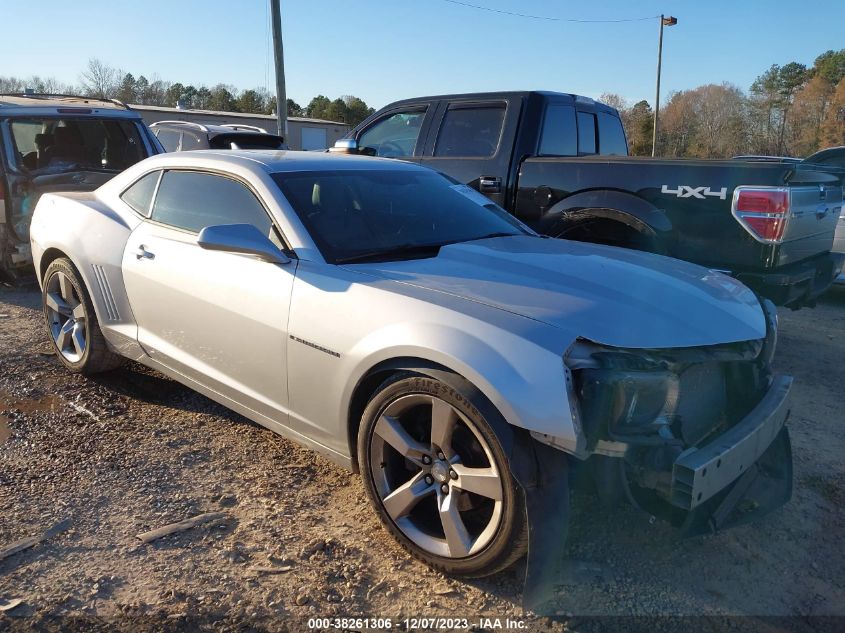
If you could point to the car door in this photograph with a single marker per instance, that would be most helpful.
(470, 144)
(218, 318)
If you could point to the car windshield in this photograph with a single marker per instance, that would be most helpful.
(51, 145)
(355, 215)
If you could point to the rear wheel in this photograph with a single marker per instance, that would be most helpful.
(603, 231)
(438, 477)
(72, 323)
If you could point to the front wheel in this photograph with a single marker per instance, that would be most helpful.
(72, 323)
(438, 477)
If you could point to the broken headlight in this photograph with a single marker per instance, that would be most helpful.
(647, 396)
(627, 402)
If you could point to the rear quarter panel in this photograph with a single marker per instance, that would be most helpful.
(93, 236)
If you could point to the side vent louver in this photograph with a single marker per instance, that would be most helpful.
(105, 289)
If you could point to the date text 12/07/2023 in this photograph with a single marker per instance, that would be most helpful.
(417, 623)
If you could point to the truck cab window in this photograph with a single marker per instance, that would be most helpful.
(559, 136)
(611, 135)
(471, 132)
(586, 133)
(394, 136)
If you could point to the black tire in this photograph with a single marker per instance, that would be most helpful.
(609, 232)
(96, 356)
(509, 541)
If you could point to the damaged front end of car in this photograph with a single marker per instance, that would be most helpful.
(695, 436)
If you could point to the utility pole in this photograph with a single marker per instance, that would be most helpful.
(278, 54)
(664, 21)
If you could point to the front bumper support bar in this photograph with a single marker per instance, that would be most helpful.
(700, 473)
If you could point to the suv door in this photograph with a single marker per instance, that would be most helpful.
(217, 318)
(473, 142)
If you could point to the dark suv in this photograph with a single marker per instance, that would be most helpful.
(180, 136)
(58, 143)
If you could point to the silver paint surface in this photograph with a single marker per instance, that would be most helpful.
(501, 312)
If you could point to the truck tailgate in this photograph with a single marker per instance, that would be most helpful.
(814, 211)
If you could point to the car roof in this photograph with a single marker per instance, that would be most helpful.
(63, 105)
(275, 161)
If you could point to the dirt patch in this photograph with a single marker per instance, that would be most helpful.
(132, 451)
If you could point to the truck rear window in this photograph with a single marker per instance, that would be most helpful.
(46, 145)
(586, 133)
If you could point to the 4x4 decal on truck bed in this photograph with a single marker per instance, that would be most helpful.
(685, 191)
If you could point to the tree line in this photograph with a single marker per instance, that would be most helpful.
(789, 110)
(105, 82)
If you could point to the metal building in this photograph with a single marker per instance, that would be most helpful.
(303, 133)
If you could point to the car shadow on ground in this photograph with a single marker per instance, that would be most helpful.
(22, 296)
(138, 382)
(835, 296)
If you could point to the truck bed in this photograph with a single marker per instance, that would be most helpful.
(695, 198)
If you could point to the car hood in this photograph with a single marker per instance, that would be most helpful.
(613, 296)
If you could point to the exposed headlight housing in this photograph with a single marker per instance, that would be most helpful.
(646, 397)
(631, 402)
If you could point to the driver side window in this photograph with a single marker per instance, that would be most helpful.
(394, 136)
(191, 201)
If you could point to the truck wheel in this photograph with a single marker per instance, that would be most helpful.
(609, 232)
(438, 478)
(72, 323)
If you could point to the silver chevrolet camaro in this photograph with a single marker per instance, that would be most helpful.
(406, 327)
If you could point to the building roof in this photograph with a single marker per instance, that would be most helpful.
(246, 115)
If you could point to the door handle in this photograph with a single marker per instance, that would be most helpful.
(490, 184)
(143, 253)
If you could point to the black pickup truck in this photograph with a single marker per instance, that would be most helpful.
(560, 163)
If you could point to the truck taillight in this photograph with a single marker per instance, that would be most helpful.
(762, 211)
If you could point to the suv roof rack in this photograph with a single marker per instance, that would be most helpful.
(241, 126)
(50, 95)
(201, 127)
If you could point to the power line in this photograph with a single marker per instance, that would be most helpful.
(545, 17)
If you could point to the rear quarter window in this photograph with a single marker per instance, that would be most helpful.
(611, 135)
(139, 196)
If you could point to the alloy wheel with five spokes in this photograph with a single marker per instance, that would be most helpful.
(436, 477)
(67, 317)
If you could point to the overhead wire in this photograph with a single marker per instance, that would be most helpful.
(546, 17)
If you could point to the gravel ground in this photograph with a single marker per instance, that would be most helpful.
(131, 451)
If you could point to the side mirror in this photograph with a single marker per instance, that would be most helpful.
(345, 146)
(241, 238)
